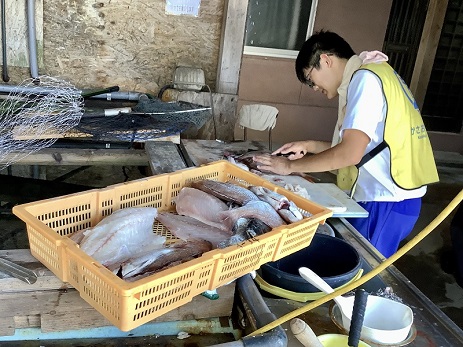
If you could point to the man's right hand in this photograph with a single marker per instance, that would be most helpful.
(297, 148)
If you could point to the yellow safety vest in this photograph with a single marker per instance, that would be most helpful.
(412, 159)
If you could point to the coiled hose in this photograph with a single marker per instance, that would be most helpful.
(404, 249)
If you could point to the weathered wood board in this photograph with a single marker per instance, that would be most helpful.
(16, 33)
(164, 157)
(79, 156)
(222, 122)
(54, 305)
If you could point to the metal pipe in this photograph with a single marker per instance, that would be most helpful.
(5, 76)
(31, 30)
(107, 96)
(262, 315)
(120, 96)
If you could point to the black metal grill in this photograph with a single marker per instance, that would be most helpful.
(443, 105)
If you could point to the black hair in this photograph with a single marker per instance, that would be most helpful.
(321, 42)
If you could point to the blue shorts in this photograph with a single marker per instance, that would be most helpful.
(388, 223)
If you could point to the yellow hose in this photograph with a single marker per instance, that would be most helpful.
(408, 246)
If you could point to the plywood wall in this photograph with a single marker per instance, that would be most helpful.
(130, 43)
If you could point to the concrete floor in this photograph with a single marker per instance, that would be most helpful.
(422, 265)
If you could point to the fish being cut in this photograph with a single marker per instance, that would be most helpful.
(247, 160)
(253, 209)
(120, 234)
(226, 191)
(188, 228)
(202, 206)
(179, 253)
(285, 208)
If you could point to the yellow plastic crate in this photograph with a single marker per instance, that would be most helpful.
(128, 305)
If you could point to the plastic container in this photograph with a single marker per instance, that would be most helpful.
(297, 296)
(50, 222)
(338, 340)
(333, 259)
(386, 321)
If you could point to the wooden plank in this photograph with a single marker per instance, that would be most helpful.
(34, 303)
(75, 134)
(427, 50)
(164, 157)
(7, 326)
(74, 156)
(221, 125)
(71, 313)
(29, 321)
(232, 44)
(16, 33)
(74, 313)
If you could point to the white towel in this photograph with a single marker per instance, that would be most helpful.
(258, 117)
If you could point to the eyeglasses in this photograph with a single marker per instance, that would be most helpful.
(309, 82)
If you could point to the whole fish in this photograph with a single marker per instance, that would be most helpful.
(285, 208)
(121, 234)
(202, 206)
(247, 160)
(178, 253)
(245, 229)
(226, 191)
(253, 209)
(188, 228)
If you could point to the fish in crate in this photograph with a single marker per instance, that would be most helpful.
(208, 215)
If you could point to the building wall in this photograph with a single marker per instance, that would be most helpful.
(132, 44)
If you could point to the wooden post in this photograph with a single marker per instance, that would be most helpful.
(427, 50)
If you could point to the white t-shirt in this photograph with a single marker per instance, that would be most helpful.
(366, 111)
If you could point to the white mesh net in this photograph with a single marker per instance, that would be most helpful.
(35, 114)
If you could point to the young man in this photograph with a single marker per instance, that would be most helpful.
(380, 147)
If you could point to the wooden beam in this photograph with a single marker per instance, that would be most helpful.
(427, 51)
(75, 134)
(231, 46)
(73, 156)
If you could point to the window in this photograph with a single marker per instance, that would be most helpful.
(278, 28)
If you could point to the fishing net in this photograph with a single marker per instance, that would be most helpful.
(175, 112)
(39, 111)
(35, 114)
(150, 119)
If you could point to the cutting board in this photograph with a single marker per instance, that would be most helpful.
(353, 210)
(316, 194)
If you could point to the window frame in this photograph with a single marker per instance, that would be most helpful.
(283, 53)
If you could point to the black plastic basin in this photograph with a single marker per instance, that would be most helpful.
(332, 258)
